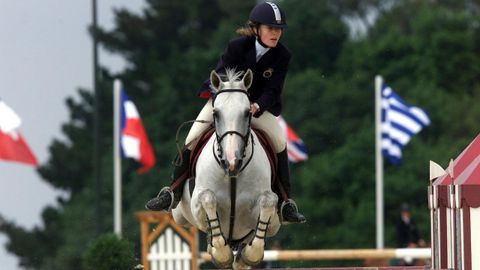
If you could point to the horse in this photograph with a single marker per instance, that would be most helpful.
(232, 200)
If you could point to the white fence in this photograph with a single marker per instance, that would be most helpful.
(169, 252)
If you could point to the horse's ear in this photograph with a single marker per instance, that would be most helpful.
(248, 78)
(215, 80)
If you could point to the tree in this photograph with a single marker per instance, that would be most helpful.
(109, 252)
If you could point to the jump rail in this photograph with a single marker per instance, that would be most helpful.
(340, 254)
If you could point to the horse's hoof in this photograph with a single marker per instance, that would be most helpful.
(242, 258)
(223, 265)
(227, 264)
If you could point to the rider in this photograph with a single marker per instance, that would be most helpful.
(257, 49)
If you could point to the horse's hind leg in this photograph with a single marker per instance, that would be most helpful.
(221, 253)
(252, 253)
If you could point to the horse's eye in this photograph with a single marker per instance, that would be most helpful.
(215, 113)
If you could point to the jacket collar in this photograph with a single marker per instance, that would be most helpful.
(259, 49)
(251, 54)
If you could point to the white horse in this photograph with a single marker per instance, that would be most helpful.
(232, 201)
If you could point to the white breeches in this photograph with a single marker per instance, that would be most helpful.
(266, 122)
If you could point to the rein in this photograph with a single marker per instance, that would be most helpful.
(179, 161)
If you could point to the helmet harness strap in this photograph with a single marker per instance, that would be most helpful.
(257, 35)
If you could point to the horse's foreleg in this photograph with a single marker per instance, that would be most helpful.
(252, 254)
(221, 253)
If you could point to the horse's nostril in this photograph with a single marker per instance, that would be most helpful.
(238, 164)
(224, 164)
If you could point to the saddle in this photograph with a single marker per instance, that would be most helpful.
(200, 143)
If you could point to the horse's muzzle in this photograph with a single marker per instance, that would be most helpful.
(237, 166)
(232, 168)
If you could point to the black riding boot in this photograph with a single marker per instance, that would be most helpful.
(288, 209)
(168, 198)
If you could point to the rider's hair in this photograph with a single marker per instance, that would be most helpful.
(246, 30)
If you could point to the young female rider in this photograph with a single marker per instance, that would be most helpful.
(258, 49)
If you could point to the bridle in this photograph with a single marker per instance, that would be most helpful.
(220, 137)
(240, 156)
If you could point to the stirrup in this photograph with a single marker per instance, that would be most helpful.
(289, 201)
(173, 204)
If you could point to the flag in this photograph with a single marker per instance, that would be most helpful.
(400, 122)
(12, 145)
(133, 138)
(295, 146)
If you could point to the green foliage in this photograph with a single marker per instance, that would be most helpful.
(22, 240)
(77, 150)
(108, 252)
(313, 28)
(426, 51)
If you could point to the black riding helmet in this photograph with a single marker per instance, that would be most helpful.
(269, 14)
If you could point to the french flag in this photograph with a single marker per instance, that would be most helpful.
(133, 138)
(295, 146)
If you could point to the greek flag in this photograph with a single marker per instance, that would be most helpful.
(400, 122)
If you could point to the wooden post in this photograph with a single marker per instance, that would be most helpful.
(144, 236)
(163, 221)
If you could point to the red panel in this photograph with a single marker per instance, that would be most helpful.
(462, 161)
(467, 244)
(470, 195)
(443, 237)
(474, 177)
(442, 196)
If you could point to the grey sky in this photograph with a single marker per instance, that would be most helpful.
(45, 56)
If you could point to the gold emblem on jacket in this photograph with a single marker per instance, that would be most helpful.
(268, 73)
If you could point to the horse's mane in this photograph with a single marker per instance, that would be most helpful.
(231, 75)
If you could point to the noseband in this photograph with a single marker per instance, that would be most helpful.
(220, 138)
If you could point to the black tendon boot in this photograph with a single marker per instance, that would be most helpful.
(288, 210)
(168, 198)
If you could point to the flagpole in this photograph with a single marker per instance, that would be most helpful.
(96, 125)
(117, 164)
(378, 163)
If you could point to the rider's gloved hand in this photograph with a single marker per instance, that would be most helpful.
(254, 109)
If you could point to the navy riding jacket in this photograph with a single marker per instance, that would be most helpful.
(268, 73)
